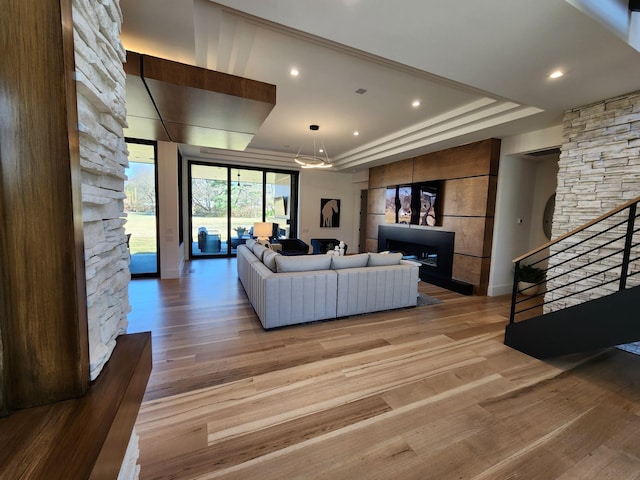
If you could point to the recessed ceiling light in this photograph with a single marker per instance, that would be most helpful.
(294, 72)
(356, 133)
(416, 103)
(556, 74)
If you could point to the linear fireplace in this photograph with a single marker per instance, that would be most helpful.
(433, 249)
(427, 255)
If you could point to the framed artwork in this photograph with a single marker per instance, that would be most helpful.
(404, 204)
(329, 212)
(390, 208)
(429, 204)
(416, 204)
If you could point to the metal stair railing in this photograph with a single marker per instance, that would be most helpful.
(580, 265)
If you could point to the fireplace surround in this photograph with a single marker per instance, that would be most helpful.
(432, 248)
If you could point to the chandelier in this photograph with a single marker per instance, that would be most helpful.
(319, 158)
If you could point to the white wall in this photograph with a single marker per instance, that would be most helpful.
(171, 255)
(523, 185)
(318, 184)
(510, 237)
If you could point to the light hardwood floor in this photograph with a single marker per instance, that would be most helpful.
(423, 393)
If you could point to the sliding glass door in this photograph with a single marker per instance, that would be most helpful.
(246, 204)
(209, 208)
(226, 202)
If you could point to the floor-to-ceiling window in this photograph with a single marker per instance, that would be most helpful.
(278, 201)
(246, 204)
(140, 207)
(226, 202)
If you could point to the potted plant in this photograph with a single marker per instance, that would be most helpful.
(241, 231)
(529, 278)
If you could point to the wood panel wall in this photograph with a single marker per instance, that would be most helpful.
(3, 314)
(469, 175)
(44, 316)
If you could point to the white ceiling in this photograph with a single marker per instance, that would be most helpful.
(479, 67)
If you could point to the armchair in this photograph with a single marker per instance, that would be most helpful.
(293, 246)
(208, 242)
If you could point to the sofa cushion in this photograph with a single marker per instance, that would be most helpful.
(258, 250)
(382, 259)
(269, 259)
(250, 243)
(303, 263)
(349, 261)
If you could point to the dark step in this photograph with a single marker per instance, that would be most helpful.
(600, 323)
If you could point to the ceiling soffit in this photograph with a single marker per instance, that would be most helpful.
(481, 114)
(171, 101)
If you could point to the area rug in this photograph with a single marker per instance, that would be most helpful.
(427, 300)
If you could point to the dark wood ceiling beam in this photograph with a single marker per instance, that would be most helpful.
(193, 105)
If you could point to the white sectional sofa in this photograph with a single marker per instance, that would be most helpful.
(286, 290)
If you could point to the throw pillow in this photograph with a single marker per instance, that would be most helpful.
(349, 261)
(269, 259)
(258, 250)
(382, 259)
(303, 263)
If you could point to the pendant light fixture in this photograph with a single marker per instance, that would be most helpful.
(319, 158)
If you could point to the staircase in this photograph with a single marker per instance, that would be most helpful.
(590, 295)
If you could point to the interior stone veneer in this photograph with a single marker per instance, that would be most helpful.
(599, 170)
(103, 157)
(100, 81)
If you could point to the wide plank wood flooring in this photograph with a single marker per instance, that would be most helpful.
(422, 393)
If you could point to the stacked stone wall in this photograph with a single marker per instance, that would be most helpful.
(100, 82)
(599, 170)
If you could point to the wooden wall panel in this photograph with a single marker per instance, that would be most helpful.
(467, 268)
(396, 173)
(488, 237)
(470, 234)
(376, 200)
(43, 281)
(491, 196)
(470, 181)
(466, 196)
(371, 245)
(472, 270)
(373, 221)
(4, 409)
(484, 277)
(480, 158)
